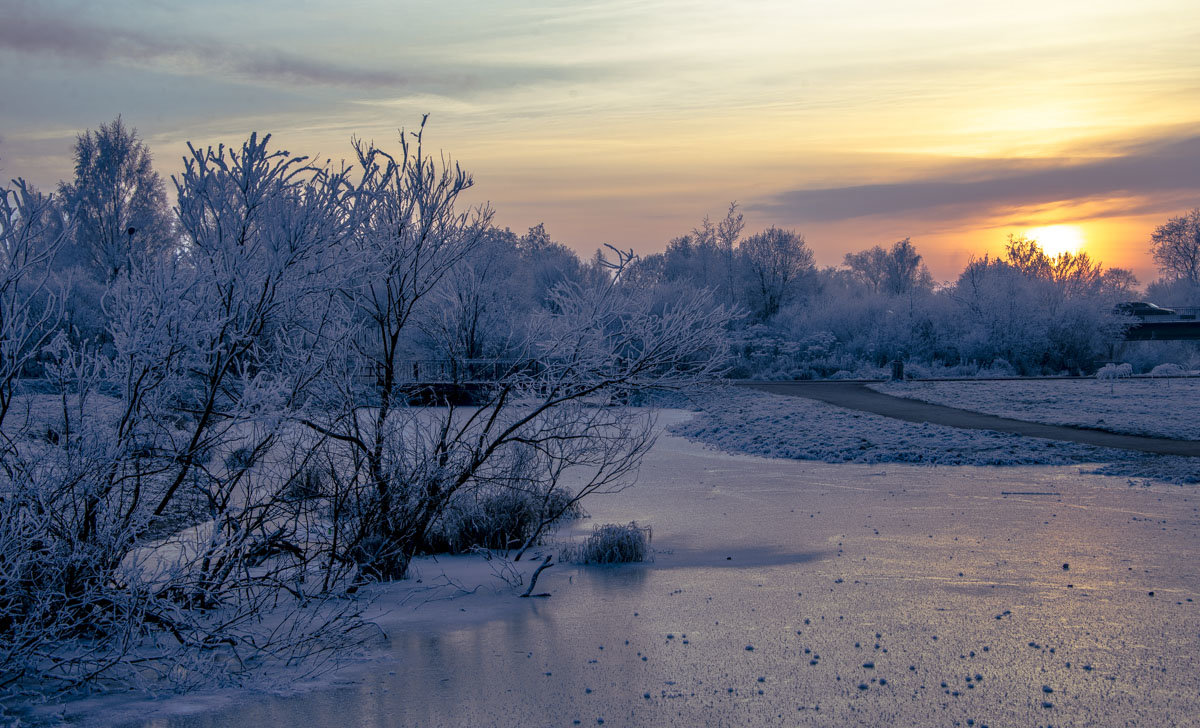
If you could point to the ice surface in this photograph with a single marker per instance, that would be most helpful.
(949, 574)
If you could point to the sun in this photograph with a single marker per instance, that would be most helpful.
(1057, 239)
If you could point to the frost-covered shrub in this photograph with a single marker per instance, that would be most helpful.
(1145, 355)
(772, 353)
(1167, 370)
(1042, 315)
(308, 483)
(1174, 292)
(655, 398)
(499, 519)
(959, 370)
(260, 462)
(1000, 367)
(611, 544)
(1191, 364)
(914, 370)
(1031, 314)
(870, 371)
(1115, 371)
(240, 459)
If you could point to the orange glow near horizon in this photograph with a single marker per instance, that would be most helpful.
(1057, 239)
(1114, 242)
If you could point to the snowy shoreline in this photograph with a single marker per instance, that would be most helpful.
(756, 423)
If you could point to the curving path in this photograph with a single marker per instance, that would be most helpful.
(857, 396)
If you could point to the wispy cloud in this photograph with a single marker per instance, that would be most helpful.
(1163, 167)
(27, 28)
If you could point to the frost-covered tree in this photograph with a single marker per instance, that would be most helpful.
(547, 264)
(1050, 315)
(905, 271)
(1027, 256)
(29, 310)
(725, 236)
(144, 507)
(1175, 246)
(703, 258)
(896, 271)
(479, 309)
(116, 202)
(1004, 312)
(1075, 274)
(773, 262)
(868, 266)
(401, 469)
(1120, 284)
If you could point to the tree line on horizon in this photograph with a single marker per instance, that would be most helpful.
(1023, 312)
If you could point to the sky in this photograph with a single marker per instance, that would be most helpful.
(855, 122)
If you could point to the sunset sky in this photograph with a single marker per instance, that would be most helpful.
(854, 122)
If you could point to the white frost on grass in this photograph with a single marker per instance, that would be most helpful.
(792, 427)
(1156, 407)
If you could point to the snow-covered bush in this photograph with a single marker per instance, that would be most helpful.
(1114, 371)
(611, 544)
(1042, 315)
(1167, 370)
(155, 524)
(914, 370)
(502, 518)
(1039, 314)
(1145, 355)
(999, 367)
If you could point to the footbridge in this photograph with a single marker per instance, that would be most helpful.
(462, 371)
(1181, 325)
(451, 381)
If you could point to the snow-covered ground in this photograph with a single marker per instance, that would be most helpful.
(744, 421)
(1142, 406)
(788, 592)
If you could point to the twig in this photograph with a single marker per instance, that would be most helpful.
(533, 579)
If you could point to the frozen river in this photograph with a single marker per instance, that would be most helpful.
(801, 593)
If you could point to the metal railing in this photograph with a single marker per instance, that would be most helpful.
(1182, 313)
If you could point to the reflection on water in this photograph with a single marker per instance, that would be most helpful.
(490, 674)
